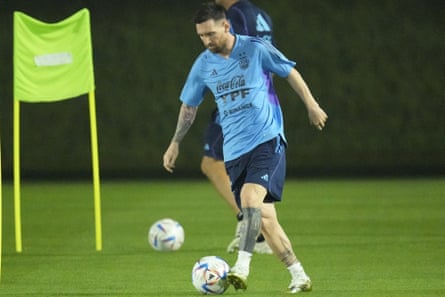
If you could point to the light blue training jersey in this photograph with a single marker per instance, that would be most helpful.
(249, 114)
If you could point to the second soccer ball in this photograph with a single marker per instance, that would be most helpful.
(166, 235)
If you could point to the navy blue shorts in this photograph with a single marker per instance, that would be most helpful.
(265, 165)
(213, 139)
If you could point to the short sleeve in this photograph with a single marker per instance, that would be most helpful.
(194, 88)
(273, 60)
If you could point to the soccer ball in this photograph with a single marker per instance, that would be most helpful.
(166, 235)
(209, 275)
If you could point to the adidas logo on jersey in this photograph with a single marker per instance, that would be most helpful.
(265, 177)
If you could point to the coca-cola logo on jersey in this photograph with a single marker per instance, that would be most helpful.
(235, 83)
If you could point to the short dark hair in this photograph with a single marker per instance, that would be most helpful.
(209, 11)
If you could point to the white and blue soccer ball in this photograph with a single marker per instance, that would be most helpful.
(166, 235)
(209, 275)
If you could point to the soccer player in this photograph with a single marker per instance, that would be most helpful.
(235, 69)
(245, 19)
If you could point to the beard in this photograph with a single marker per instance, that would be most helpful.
(214, 48)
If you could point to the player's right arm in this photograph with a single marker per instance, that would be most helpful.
(187, 115)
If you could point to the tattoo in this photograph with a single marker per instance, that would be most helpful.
(187, 115)
(288, 257)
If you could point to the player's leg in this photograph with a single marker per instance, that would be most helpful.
(263, 185)
(282, 247)
(251, 196)
(251, 175)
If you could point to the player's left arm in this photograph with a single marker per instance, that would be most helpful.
(186, 117)
(317, 116)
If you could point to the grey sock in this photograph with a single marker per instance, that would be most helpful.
(250, 228)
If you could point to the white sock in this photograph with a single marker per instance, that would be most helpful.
(297, 271)
(243, 262)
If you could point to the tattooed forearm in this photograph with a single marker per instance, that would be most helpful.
(186, 118)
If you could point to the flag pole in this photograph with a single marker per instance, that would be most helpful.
(1, 218)
(95, 162)
(17, 212)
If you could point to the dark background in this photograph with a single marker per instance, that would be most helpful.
(377, 68)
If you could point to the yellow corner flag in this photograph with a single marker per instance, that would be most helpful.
(52, 61)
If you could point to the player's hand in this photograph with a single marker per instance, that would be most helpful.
(170, 156)
(317, 117)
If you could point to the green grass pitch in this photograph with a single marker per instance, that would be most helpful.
(370, 237)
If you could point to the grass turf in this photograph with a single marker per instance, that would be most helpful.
(354, 237)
